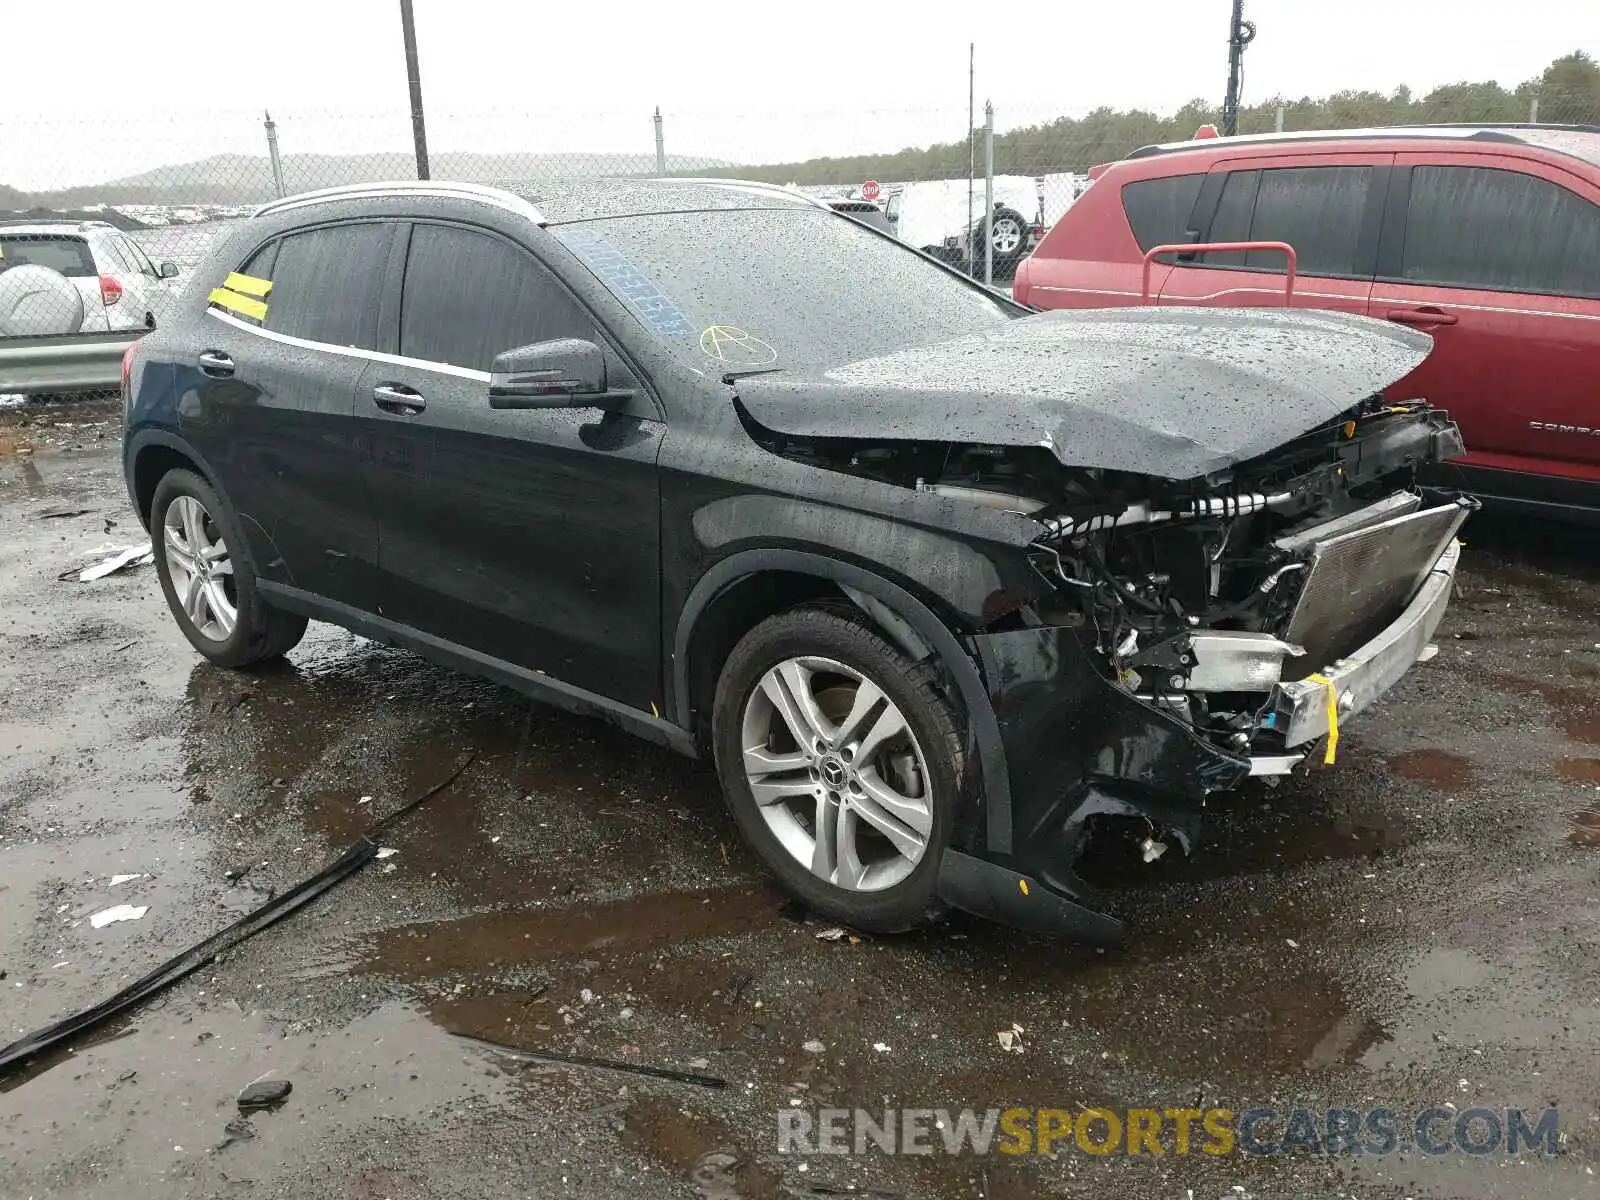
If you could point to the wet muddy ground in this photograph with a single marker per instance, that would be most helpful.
(1414, 926)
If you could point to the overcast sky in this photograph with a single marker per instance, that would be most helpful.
(754, 81)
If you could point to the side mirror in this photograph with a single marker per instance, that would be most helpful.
(169, 270)
(564, 373)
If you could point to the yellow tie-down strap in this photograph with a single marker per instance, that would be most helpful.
(1332, 692)
(243, 294)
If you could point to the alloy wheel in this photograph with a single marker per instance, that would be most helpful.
(837, 774)
(1007, 236)
(201, 569)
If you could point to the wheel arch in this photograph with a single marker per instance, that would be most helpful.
(744, 588)
(150, 454)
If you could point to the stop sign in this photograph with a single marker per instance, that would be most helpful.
(870, 190)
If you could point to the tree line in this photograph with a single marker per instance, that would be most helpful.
(1568, 92)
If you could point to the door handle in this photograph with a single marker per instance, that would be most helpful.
(1427, 315)
(397, 398)
(216, 364)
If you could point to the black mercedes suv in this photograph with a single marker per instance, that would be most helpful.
(935, 582)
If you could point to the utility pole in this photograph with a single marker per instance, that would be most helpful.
(988, 193)
(1240, 34)
(661, 146)
(419, 133)
(272, 152)
(972, 154)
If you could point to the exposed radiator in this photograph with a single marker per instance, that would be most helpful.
(1358, 582)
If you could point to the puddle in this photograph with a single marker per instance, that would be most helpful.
(153, 1105)
(1585, 828)
(1577, 710)
(1579, 770)
(696, 1148)
(535, 935)
(1433, 768)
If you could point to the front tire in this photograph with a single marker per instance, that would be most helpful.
(207, 579)
(842, 763)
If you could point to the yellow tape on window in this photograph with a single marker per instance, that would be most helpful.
(234, 302)
(248, 284)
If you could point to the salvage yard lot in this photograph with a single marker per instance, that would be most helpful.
(1415, 926)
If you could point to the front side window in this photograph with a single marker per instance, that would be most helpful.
(1483, 227)
(1317, 210)
(470, 296)
(1158, 209)
(326, 283)
(755, 289)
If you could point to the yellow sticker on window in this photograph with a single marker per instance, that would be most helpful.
(248, 284)
(245, 306)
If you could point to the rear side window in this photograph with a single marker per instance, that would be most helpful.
(1158, 209)
(470, 296)
(1317, 210)
(67, 255)
(1481, 227)
(326, 283)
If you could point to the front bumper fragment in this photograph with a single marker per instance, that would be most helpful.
(1299, 709)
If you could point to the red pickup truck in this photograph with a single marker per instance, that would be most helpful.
(1487, 238)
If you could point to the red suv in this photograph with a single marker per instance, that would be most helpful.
(1487, 238)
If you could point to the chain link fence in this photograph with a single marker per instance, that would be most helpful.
(96, 236)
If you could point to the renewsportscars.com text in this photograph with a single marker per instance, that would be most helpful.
(1159, 1131)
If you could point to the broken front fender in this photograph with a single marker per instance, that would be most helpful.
(1076, 746)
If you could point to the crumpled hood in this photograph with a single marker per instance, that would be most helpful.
(1171, 392)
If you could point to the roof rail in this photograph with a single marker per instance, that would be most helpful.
(745, 185)
(442, 188)
(1499, 131)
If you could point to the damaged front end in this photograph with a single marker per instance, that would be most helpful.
(1183, 636)
(1198, 634)
(1228, 556)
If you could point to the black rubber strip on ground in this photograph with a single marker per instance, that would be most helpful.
(604, 1064)
(170, 972)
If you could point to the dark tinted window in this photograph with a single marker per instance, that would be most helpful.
(469, 296)
(1158, 209)
(327, 283)
(1481, 227)
(69, 256)
(1317, 210)
(261, 262)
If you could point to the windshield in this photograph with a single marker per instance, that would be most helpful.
(745, 290)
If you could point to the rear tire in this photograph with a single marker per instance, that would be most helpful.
(208, 580)
(1009, 233)
(856, 756)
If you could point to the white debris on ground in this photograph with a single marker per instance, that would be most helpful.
(118, 912)
(1011, 1039)
(139, 555)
